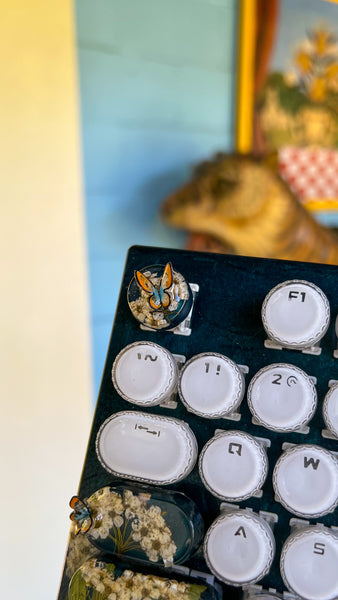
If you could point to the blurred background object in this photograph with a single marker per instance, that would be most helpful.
(243, 206)
(296, 98)
(287, 98)
(289, 52)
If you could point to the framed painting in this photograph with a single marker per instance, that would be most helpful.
(287, 94)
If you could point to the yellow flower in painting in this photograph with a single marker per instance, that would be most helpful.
(331, 72)
(303, 62)
(322, 41)
(317, 89)
(316, 64)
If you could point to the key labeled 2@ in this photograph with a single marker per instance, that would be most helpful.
(282, 397)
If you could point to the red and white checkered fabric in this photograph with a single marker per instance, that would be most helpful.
(310, 173)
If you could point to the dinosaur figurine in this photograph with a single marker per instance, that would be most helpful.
(247, 209)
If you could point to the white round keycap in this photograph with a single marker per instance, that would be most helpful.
(233, 465)
(330, 409)
(305, 480)
(239, 547)
(211, 385)
(296, 314)
(144, 373)
(282, 397)
(309, 562)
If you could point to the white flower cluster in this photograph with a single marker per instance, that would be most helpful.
(130, 523)
(153, 535)
(79, 550)
(132, 586)
(106, 508)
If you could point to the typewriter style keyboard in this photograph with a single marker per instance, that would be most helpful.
(221, 382)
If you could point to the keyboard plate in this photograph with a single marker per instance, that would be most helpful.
(226, 319)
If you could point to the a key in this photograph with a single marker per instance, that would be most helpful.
(211, 385)
(239, 547)
(146, 447)
(305, 480)
(296, 314)
(233, 465)
(159, 297)
(145, 373)
(309, 562)
(282, 397)
(330, 409)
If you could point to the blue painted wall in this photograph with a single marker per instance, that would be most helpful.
(156, 86)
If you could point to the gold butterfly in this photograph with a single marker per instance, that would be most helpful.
(80, 515)
(158, 296)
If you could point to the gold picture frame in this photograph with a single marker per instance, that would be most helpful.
(259, 25)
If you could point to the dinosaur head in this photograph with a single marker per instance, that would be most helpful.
(245, 206)
(228, 186)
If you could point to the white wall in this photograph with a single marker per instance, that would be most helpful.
(45, 381)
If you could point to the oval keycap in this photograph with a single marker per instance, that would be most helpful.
(146, 447)
(101, 579)
(141, 522)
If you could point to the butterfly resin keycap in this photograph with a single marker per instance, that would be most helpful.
(143, 523)
(159, 297)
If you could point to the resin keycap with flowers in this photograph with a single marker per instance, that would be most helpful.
(103, 580)
(157, 526)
